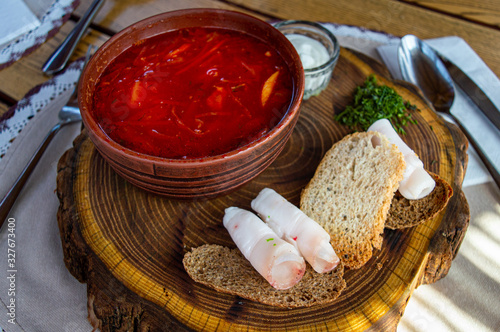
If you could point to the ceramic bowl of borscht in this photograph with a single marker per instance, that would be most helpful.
(192, 103)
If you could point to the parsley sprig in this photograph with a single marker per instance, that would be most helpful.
(373, 102)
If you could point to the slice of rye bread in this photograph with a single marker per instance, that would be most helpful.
(227, 270)
(351, 192)
(408, 213)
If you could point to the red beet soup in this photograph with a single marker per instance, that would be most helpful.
(193, 93)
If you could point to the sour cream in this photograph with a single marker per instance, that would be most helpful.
(313, 54)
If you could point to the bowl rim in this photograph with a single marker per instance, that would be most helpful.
(96, 132)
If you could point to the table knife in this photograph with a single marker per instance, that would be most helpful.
(58, 60)
(473, 91)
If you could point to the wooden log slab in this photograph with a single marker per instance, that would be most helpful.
(128, 245)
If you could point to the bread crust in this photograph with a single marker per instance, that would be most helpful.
(351, 192)
(406, 213)
(226, 270)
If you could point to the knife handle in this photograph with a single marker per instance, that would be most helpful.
(484, 158)
(473, 91)
(9, 199)
(58, 60)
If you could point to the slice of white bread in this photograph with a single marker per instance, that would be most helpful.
(226, 270)
(351, 192)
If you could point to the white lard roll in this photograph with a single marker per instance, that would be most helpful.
(276, 260)
(416, 183)
(294, 226)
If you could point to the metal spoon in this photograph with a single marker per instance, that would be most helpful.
(421, 66)
(68, 114)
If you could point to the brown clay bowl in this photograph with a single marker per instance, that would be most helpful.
(191, 178)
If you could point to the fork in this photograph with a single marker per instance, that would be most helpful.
(70, 113)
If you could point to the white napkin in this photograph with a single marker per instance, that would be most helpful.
(16, 18)
(487, 135)
(46, 296)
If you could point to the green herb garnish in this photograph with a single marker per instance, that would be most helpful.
(270, 239)
(373, 102)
